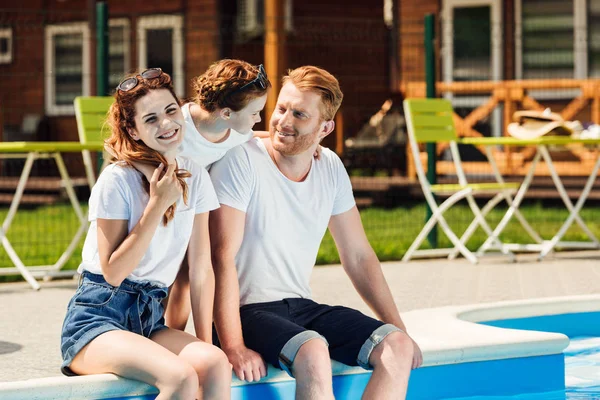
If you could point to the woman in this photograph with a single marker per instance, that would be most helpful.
(148, 211)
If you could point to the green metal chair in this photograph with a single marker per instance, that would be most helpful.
(91, 113)
(431, 121)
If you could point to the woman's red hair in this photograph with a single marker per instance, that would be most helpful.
(124, 148)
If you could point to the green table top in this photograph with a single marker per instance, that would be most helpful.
(511, 141)
(49, 147)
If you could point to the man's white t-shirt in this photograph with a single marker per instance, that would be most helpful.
(119, 194)
(201, 150)
(285, 220)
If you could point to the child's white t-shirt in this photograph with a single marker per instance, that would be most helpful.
(285, 220)
(119, 194)
(201, 150)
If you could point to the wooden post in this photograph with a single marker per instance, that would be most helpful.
(274, 51)
(339, 132)
(509, 109)
(596, 105)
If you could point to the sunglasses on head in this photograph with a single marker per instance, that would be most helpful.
(260, 80)
(127, 84)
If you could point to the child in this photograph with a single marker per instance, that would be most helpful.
(229, 98)
(148, 211)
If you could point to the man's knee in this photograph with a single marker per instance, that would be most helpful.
(394, 351)
(312, 361)
(307, 350)
(387, 343)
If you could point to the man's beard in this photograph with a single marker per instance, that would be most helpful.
(300, 144)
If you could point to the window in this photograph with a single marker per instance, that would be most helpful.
(551, 39)
(593, 23)
(160, 44)
(251, 18)
(471, 40)
(548, 39)
(388, 13)
(66, 66)
(472, 50)
(472, 44)
(118, 51)
(6, 44)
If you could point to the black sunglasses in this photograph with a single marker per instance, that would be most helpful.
(261, 80)
(127, 84)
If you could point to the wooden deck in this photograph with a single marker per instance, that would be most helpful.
(38, 190)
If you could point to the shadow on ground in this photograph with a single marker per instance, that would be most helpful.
(8, 347)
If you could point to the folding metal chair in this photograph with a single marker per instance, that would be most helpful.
(90, 113)
(431, 121)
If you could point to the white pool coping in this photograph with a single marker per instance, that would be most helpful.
(446, 335)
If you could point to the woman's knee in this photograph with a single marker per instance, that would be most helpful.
(211, 361)
(178, 380)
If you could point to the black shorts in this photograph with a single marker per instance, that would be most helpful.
(269, 327)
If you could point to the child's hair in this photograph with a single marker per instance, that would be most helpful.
(225, 84)
(123, 147)
(318, 80)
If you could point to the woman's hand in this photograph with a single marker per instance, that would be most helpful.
(166, 190)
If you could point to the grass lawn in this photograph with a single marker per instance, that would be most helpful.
(40, 235)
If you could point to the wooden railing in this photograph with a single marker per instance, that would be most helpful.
(514, 95)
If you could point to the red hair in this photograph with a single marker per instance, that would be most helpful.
(218, 86)
(123, 147)
(315, 79)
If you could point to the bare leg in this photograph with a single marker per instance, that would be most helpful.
(391, 360)
(133, 356)
(179, 304)
(210, 363)
(312, 370)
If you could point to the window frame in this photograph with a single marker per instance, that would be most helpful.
(126, 24)
(161, 21)
(496, 53)
(496, 49)
(7, 33)
(579, 38)
(50, 31)
(248, 25)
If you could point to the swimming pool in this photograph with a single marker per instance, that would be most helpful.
(474, 350)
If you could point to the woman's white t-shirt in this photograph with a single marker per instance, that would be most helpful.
(119, 194)
(201, 150)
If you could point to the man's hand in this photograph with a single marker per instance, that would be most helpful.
(417, 355)
(247, 364)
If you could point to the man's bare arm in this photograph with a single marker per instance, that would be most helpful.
(226, 234)
(364, 269)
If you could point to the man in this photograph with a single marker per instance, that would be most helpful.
(276, 204)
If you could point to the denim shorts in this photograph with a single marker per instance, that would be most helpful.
(98, 307)
(277, 329)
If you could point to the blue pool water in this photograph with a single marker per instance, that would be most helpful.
(582, 375)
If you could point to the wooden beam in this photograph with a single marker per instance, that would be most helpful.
(571, 110)
(274, 51)
(480, 112)
(596, 109)
(531, 104)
